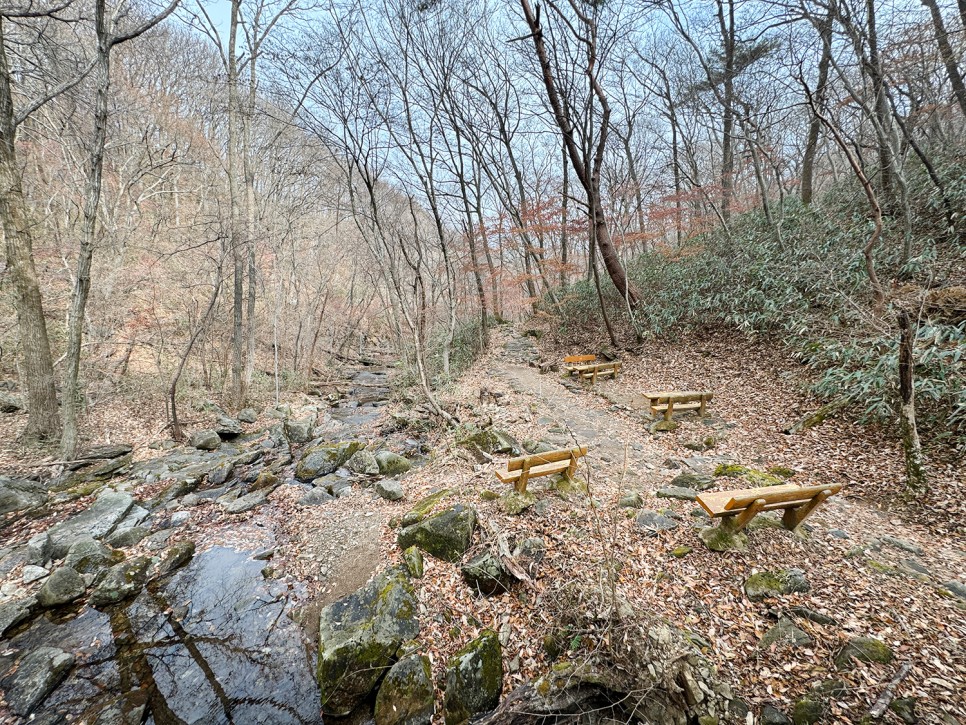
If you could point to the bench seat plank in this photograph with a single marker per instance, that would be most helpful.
(515, 464)
(715, 503)
(546, 469)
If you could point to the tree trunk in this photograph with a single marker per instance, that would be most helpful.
(38, 366)
(917, 484)
(727, 28)
(237, 217)
(946, 53)
(814, 125)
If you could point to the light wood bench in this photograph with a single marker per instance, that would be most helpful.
(592, 371)
(572, 362)
(668, 401)
(737, 508)
(521, 469)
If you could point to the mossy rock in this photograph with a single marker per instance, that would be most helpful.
(392, 464)
(486, 575)
(491, 441)
(756, 479)
(122, 581)
(489, 495)
(406, 695)
(568, 486)
(87, 556)
(808, 710)
(363, 463)
(765, 584)
(863, 649)
(632, 500)
(718, 539)
(515, 503)
(325, 458)
(424, 507)
(784, 634)
(696, 481)
(700, 446)
(446, 535)
(359, 637)
(474, 679)
(413, 558)
(679, 552)
(905, 709)
(663, 426)
(782, 471)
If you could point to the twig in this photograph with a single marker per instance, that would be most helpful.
(888, 694)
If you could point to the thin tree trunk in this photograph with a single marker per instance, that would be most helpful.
(917, 483)
(946, 53)
(728, 121)
(814, 125)
(236, 236)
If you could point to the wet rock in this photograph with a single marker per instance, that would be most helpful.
(492, 441)
(32, 573)
(10, 403)
(785, 633)
(359, 636)
(863, 649)
(87, 556)
(406, 695)
(677, 492)
(315, 497)
(956, 588)
(413, 559)
(632, 500)
(773, 716)
(14, 612)
(227, 428)
(244, 503)
(389, 488)
(18, 494)
(696, 481)
(514, 503)
(446, 535)
(905, 709)
(63, 586)
(652, 523)
(35, 677)
(486, 575)
(175, 558)
(98, 521)
(474, 679)
(299, 431)
(127, 537)
(39, 548)
(424, 507)
(247, 415)
(392, 464)
(323, 459)
(363, 463)
(122, 581)
(767, 584)
(205, 440)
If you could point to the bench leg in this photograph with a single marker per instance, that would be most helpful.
(670, 409)
(704, 405)
(795, 516)
(736, 523)
(521, 486)
(572, 468)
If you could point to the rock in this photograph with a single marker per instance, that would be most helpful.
(315, 497)
(299, 431)
(474, 679)
(486, 575)
(265, 480)
(35, 677)
(122, 581)
(529, 553)
(413, 559)
(492, 441)
(32, 573)
(180, 518)
(678, 492)
(227, 428)
(10, 403)
(863, 649)
(127, 537)
(808, 710)
(247, 415)
(14, 612)
(389, 488)
(956, 588)
(514, 503)
(363, 463)
(39, 548)
(392, 464)
(811, 615)
(221, 473)
(679, 552)
(446, 535)
(244, 503)
(902, 545)
(767, 584)
(696, 481)
(98, 521)
(838, 534)
(323, 459)
(905, 709)
(702, 445)
(87, 556)
(406, 695)
(64, 585)
(18, 494)
(663, 426)
(175, 558)
(632, 500)
(205, 440)
(785, 633)
(359, 636)
(651, 522)
(773, 716)
(424, 507)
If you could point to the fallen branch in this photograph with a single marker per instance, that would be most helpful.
(816, 418)
(888, 694)
(504, 555)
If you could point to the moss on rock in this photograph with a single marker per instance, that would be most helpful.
(863, 649)
(767, 584)
(474, 679)
(718, 539)
(325, 458)
(406, 694)
(446, 535)
(424, 507)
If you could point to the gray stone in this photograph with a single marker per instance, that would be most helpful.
(247, 415)
(413, 558)
(632, 500)
(474, 679)
(221, 473)
(227, 428)
(838, 534)
(767, 584)
(14, 612)
(956, 588)
(325, 458)
(18, 494)
(98, 521)
(39, 549)
(811, 615)
(514, 503)
(808, 710)
(446, 535)
(175, 558)
(244, 503)
(363, 463)
(122, 581)
(773, 716)
(492, 441)
(35, 677)
(905, 709)
(696, 481)
(663, 426)
(64, 585)
(652, 523)
(785, 633)
(486, 575)
(127, 537)
(87, 556)
(406, 695)
(392, 464)
(180, 518)
(33, 573)
(205, 440)
(678, 492)
(299, 431)
(902, 545)
(359, 636)
(389, 488)
(10, 403)
(315, 497)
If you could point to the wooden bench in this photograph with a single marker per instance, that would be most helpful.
(668, 401)
(572, 362)
(522, 469)
(737, 508)
(592, 371)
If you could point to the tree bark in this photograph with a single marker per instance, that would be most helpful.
(814, 125)
(917, 483)
(946, 53)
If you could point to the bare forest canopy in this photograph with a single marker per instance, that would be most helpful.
(223, 196)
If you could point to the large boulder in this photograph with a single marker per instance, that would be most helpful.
(424, 507)
(63, 586)
(492, 441)
(35, 677)
(86, 556)
(205, 440)
(97, 521)
(446, 535)
(14, 612)
(363, 463)
(10, 403)
(299, 431)
(17, 494)
(406, 694)
(227, 428)
(717, 538)
(122, 581)
(766, 584)
(392, 464)
(359, 636)
(474, 679)
(324, 458)
(389, 488)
